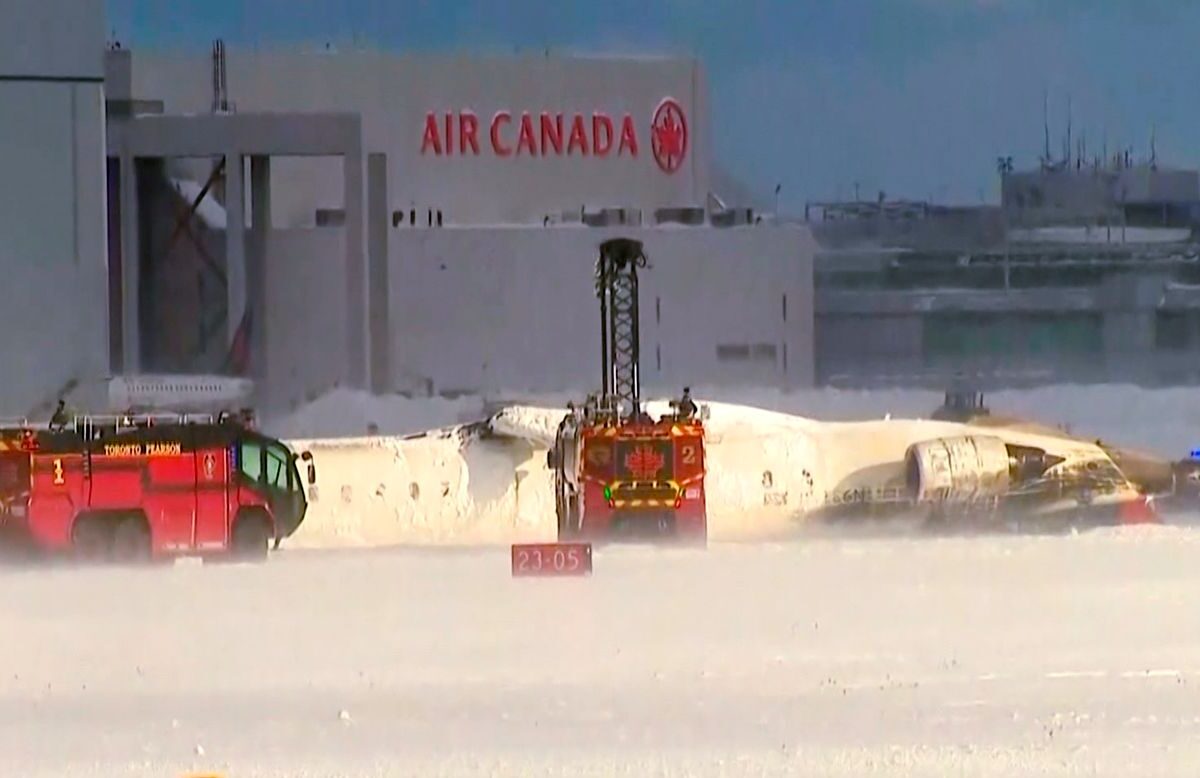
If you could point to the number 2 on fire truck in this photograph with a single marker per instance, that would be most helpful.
(689, 455)
(58, 471)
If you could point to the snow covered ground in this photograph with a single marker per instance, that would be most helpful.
(825, 655)
(1014, 656)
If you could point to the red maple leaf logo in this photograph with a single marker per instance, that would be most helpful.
(643, 463)
(669, 135)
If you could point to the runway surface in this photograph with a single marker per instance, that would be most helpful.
(1072, 655)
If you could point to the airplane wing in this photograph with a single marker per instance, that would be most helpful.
(536, 425)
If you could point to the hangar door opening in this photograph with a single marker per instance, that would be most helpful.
(183, 319)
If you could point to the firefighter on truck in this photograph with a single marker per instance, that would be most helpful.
(132, 488)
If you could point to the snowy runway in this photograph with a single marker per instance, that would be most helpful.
(827, 656)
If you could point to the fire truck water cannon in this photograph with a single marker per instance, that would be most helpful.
(620, 474)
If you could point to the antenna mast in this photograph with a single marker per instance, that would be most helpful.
(1046, 126)
(1068, 149)
(220, 85)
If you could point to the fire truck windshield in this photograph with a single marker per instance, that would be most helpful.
(269, 464)
(250, 459)
(277, 468)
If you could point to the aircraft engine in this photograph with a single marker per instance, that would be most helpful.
(960, 469)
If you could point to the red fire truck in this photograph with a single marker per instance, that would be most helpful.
(634, 480)
(142, 487)
(619, 473)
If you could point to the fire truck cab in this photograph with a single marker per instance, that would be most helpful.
(134, 488)
(642, 479)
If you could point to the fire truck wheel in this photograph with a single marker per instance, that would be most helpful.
(560, 509)
(568, 514)
(91, 538)
(131, 541)
(251, 537)
(573, 518)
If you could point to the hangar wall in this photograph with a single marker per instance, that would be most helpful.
(53, 300)
(396, 94)
(514, 309)
(306, 315)
(496, 294)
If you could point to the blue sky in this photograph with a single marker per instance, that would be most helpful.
(914, 97)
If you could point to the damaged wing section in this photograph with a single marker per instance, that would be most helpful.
(536, 425)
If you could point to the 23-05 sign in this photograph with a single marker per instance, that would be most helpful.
(551, 559)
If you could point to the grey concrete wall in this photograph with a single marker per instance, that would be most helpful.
(53, 299)
(306, 315)
(959, 229)
(872, 337)
(52, 38)
(1036, 197)
(395, 93)
(514, 310)
(1143, 184)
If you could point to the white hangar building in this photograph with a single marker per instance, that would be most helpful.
(315, 218)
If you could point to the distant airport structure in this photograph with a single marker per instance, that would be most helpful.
(308, 218)
(1088, 270)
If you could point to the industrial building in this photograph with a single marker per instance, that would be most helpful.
(310, 218)
(52, 216)
(314, 218)
(1088, 271)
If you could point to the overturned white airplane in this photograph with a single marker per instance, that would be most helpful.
(767, 472)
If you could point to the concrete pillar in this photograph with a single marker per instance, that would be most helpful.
(357, 369)
(235, 243)
(378, 321)
(256, 262)
(131, 267)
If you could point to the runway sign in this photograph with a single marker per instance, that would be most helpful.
(551, 559)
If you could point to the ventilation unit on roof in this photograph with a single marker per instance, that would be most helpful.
(733, 217)
(330, 217)
(688, 216)
(612, 217)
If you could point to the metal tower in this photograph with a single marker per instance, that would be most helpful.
(617, 288)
